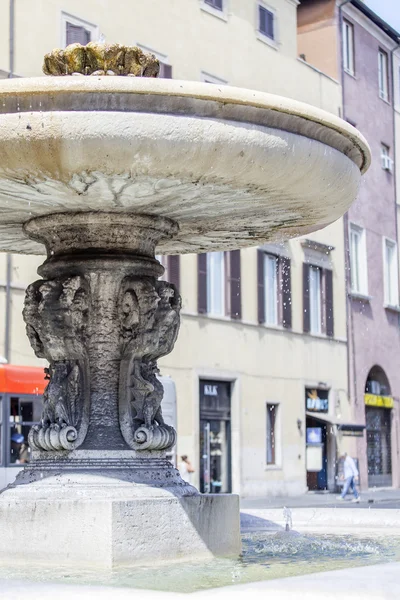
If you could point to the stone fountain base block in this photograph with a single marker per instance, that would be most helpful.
(107, 532)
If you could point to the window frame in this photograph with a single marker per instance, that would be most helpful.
(319, 319)
(383, 75)
(8, 425)
(362, 260)
(162, 58)
(348, 47)
(263, 7)
(68, 18)
(390, 274)
(221, 13)
(211, 288)
(211, 3)
(269, 258)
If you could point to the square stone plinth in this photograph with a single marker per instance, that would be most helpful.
(105, 533)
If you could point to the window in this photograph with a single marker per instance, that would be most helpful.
(318, 300)
(266, 22)
(75, 31)
(386, 161)
(218, 4)
(171, 265)
(216, 283)
(348, 47)
(165, 67)
(391, 292)
(271, 289)
(274, 290)
(358, 260)
(25, 411)
(315, 300)
(272, 413)
(383, 75)
(165, 71)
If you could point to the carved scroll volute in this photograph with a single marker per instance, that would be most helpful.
(149, 318)
(56, 314)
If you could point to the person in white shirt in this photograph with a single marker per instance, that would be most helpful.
(185, 468)
(350, 475)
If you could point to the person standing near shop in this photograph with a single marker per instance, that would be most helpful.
(185, 468)
(350, 476)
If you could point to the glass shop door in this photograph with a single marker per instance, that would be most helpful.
(215, 437)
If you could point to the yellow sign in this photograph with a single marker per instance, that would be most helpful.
(379, 401)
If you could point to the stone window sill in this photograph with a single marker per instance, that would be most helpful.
(360, 296)
(273, 467)
(266, 40)
(392, 307)
(220, 14)
(350, 74)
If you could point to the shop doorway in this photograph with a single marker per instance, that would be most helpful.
(316, 438)
(378, 405)
(215, 437)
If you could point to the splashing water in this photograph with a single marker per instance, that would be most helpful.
(265, 556)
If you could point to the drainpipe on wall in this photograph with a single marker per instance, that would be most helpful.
(351, 372)
(7, 326)
(394, 139)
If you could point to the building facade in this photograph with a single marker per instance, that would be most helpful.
(260, 366)
(365, 46)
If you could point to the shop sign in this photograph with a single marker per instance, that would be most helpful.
(378, 401)
(317, 401)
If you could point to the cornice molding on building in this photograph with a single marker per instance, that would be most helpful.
(294, 2)
(317, 246)
(354, 14)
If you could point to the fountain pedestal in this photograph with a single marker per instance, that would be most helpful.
(99, 473)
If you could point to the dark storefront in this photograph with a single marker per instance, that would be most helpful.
(379, 453)
(317, 408)
(215, 437)
(378, 409)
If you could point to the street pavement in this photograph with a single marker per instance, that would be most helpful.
(372, 498)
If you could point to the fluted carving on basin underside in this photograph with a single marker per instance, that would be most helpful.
(101, 59)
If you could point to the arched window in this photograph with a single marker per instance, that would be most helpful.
(377, 383)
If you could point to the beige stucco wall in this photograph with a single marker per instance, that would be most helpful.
(265, 364)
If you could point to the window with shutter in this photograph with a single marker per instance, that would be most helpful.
(306, 298)
(202, 283)
(218, 4)
(328, 302)
(274, 289)
(234, 285)
(266, 22)
(286, 291)
(173, 269)
(165, 71)
(76, 34)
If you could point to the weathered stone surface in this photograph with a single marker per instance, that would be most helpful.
(102, 320)
(101, 59)
(233, 168)
(106, 523)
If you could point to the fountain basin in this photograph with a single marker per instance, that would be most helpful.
(232, 167)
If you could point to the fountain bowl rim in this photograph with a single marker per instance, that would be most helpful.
(222, 94)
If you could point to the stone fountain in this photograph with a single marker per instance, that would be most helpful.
(103, 165)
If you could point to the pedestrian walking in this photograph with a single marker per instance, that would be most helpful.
(350, 476)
